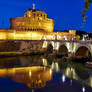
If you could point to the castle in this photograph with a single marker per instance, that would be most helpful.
(34, 26)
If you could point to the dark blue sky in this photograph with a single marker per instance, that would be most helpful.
(66, 13)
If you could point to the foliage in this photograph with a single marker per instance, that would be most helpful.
(90, 35)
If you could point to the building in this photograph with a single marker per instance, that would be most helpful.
(34, 26)
(33, 20)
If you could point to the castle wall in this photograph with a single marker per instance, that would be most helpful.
(33, 20)
(9, 46)
(31, 24)
(10, 34)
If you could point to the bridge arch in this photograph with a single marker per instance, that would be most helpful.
(63, 49)
(83, 51)
(72, 73)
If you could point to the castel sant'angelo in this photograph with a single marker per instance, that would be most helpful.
(34, 26)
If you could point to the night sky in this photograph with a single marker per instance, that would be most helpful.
(66, 13)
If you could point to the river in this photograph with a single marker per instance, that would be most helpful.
(41, 74)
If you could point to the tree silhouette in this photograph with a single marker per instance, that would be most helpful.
(86, 7)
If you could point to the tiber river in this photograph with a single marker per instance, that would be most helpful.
(40, 74)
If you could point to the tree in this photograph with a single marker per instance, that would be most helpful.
(90, 35)
(81, 33)
(86, 7)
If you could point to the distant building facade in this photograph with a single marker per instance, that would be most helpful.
(35, 26)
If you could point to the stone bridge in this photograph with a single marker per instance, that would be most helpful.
(62, 46)
(77, 47)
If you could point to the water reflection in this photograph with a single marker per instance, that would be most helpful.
(45, 62)
(33, 77)
(55, 66)
(70, 72)
(63, 78)
(83, 89)
(38, 76)
(90, 80)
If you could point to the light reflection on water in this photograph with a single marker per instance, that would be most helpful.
(36, 71)
(33, 77)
